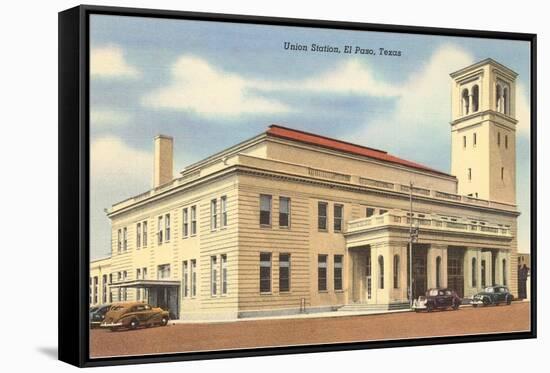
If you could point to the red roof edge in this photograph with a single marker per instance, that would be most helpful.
(343, 146)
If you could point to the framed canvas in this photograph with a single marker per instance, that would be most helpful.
(234, 186)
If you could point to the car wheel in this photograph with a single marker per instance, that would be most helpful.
(508, 300)
(164, 321)
(455, 306)
(134, 324)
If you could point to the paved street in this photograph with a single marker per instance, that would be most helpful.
(257, 333)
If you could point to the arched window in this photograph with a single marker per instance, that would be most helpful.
(504, 279)
(505, 108)
(381, 272)
(474, 272)
(396, 271)
(499, 104)
(475, 98)
(465, 102)
(438, 272)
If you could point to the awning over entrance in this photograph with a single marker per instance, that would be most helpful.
(143, 284)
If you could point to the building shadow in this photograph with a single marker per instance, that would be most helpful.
(50, 352)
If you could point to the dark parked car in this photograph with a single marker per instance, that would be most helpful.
(133, 315)
(97, 314)
(493, 295)
(441, 299)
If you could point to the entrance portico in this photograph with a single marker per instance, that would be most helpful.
(450, 252)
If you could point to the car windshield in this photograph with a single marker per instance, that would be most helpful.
(117, 308)
(489, 290)
(448, 292)
(432, 293)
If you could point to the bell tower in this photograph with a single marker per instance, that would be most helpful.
(483, 131)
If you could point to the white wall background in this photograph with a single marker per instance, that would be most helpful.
(28, 156)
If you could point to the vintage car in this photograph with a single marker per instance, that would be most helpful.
(493, 295)
(437, 299)
(97, 314)
(133, 315)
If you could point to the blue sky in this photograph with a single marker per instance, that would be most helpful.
(211, 85)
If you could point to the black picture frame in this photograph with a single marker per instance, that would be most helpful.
(74, 193)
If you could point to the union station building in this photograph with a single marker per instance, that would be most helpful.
(289, 221)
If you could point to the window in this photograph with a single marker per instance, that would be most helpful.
(138, 235)
(370, 212)
(265, 272)
(104, 289)
(185, 279)
(381, 272)
(284, 272)
(224, 273)
(322, 272)
(475, 139)
(193, 220)
(213, 275)
(502, 173)
(124, 290)
(483, 273)
(284, 212)
(213, 214)
(383, 211)
(138, 291)
(167, 227)
(505, 100)
(469, 174)
(498, 138)
(396, 271)
(144, 233)
(159, 230)
(265, 209)
(185, 220)
(465, 102)
(506, 141)
(163, 272)
(463, 141)
(95, 289)
(474, 272)
(193, 277)
(119, 240)
(110, 291)
(338, 268)
(438, 272)
(119, 278)
(338, 217)
(369, 276)
(499, 99)
(475, 98)
(125, 238)
(223, 207)
(322, 216)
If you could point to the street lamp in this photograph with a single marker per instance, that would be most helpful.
(413, 237)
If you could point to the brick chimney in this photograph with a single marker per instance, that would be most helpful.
(164, 160)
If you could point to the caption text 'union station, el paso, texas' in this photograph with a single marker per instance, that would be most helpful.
(290, 222)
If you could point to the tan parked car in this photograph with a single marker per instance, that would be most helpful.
(133, 315)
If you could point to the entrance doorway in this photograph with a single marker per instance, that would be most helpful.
(455, 270)
(420, 272)
(361, 284)
(166, 298)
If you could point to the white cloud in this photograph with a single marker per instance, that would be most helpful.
(199, 87)
(117, 171)
(109, 62)
(422, 110)
(523, 111)
(351, 77)
(103, 117)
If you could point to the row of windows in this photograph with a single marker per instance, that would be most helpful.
(189, 280)
(470, 178)
(285, 272)
(474, 140)
(470, 100)
(214, 280)
(266, 211)
(189, 225)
